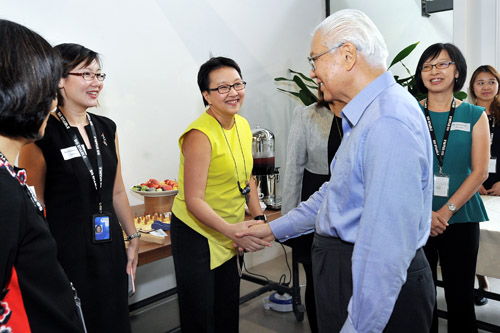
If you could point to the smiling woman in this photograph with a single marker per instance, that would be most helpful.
(77, 176)
(214, 182)
(461, 149)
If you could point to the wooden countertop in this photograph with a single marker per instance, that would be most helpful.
(150, 252)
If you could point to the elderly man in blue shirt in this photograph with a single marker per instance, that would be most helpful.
(373, 217)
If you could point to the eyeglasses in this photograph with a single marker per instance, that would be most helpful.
(87, 76)
(311, 59)
(227, 88)
(439, 65)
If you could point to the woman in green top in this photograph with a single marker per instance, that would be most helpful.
(460, 137)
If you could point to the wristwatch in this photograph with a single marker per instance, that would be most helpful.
(262, 217)
(136, 235)
(451, 207)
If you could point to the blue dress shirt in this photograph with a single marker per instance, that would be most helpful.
(379, 198)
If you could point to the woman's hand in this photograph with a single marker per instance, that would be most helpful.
(132, 255)
(494, 190)
(248, 243)
(439, 221)
(483, 191)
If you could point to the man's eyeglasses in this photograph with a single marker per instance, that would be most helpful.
(311, 59)
(439, 65)
(224, 89)
(87, 76)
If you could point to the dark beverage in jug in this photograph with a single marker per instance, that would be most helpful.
(263, 166)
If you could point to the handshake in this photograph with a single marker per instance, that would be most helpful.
(250, 235)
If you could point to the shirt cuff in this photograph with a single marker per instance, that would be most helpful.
(348, 328)
(282, 228)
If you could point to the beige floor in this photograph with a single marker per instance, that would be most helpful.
(163, 316)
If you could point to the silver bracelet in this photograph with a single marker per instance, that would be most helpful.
(136, 235)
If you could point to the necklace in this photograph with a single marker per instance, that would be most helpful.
(21, 178)
(246, 190)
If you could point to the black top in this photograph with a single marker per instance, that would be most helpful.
(98, 271)
(29, 251)
(495, 152)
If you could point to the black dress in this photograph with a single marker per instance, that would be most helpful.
(98, 271)
(39, 293)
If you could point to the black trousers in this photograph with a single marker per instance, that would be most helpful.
(208, 299)
(331, 259)
(456, 249)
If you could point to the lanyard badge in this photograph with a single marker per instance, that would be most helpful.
(441, 180)
(100, 222)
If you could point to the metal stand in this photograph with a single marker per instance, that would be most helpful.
(294, 290)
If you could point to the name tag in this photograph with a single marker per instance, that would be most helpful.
(456, 126)
(441, 185)
(492, 166)
(70, 152)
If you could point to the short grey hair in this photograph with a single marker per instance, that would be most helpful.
(352, 25)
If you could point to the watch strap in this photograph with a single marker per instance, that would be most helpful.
(136, 235)
(262, 217)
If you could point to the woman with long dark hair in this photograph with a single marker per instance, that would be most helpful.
(35, 293)
(77, 176)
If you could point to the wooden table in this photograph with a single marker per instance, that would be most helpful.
(150, 252)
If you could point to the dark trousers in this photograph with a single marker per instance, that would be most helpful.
(456, 249)
(331, 259)
(208, 299)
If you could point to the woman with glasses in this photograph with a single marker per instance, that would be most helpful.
(460, 136)
(77, 177)
(215, 181)
(483, 89)
(35, 293)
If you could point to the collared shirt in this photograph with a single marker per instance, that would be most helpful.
(379, 198)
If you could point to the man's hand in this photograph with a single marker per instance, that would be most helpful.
(262, 231)
(249, 243)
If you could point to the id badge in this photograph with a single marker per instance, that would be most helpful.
(492, 166)
(101, 227)
(441, 185)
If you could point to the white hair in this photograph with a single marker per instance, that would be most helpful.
(352, 25)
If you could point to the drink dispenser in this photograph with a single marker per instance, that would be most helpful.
(263, 166)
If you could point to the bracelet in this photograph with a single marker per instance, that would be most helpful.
(261, 217)
(136, 235)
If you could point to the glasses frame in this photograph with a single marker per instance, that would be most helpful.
(100, 76)
(311, 59)
(231, 86)
(436, 65)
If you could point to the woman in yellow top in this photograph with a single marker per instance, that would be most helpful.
(215, 180)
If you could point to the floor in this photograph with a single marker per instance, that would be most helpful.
(162, 316)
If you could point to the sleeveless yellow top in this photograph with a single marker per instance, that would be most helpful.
(221, 193)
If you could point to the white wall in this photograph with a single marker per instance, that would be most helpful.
(152, 51)
(476, 32)
(401, 23)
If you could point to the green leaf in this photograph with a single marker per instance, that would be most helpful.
(461, 95)
(403, 54)
(304, 77)
(282, 79)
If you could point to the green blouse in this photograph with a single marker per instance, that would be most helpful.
(457, 159)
